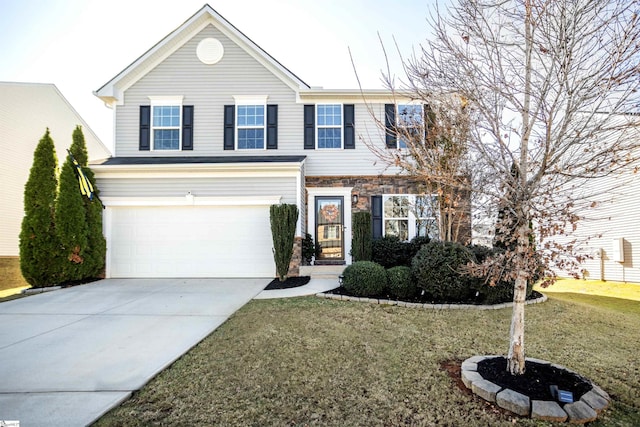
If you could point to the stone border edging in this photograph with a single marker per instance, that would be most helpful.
(40, 290)
(583, 411)
(543, 298)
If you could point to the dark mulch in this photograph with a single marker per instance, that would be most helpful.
(291, 282)
(424, 299)
(536, 380)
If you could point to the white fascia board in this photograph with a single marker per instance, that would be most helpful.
(190, 200)
(350, 95)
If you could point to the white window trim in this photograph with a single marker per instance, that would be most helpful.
(165, 101)
(341, 126)
(399, 126)
(411, 216)
(246, 100)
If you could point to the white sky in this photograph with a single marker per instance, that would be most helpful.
(81, 44)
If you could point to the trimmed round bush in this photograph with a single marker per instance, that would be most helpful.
(364, 279)
(389, 251)
(400, 284)
(436, 269)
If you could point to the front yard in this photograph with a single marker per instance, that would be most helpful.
(311, 361)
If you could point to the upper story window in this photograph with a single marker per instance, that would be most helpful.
(409, 124)
(166, 123)
(251, 126)
(329, 125)
(408, 216)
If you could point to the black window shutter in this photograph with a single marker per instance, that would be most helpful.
(309, 127)
(144, 143)
(349, 129)
(229, 127)
(376, 216)
(429, 120)
(187, 127)
(272, 127)
(390, 124)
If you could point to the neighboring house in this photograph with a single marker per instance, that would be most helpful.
(26, 111)
(210, 130)
(609, 232)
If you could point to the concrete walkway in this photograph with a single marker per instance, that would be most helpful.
(68, 356)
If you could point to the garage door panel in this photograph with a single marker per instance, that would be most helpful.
(191, 241)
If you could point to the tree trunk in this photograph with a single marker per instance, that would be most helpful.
(516, 358)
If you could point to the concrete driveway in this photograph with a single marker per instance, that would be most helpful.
(68, 356)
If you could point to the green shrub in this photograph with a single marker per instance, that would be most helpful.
(501, 292)
(481, 252)
(390, 251)
(308, 249)
(39, 246)
(400, 284)
(436, 269)
(283, 219)
(364, 279)
(361, 243)
(416, 244)
(95, 253)
(71, 225)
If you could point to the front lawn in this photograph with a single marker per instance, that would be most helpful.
(312, 361)
(10, 275)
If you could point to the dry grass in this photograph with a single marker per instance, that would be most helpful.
(629, 291)
(10, 275)
(311, 361)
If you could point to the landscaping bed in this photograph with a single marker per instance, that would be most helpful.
(426, 299)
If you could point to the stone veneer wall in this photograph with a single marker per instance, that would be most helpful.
(296, 259)
(367, 186)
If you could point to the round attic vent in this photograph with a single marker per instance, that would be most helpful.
(210, 51)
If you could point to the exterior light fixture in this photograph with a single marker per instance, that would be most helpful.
(354, 199)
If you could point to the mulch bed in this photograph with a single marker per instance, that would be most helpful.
(424, 299)
(536, 381)
(291, 282)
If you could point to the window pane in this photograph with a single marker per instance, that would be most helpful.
(250, 115)
(427, 228)
(329, 138)
(329, 115)
(409, 115)
(250, 138)
(397, 227)
(396, 207)
(166, 139)
(166, 116)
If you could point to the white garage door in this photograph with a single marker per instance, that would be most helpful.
(190, 241)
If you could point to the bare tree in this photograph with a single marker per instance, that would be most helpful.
(547, 87)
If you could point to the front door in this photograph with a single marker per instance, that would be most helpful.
(330, 228)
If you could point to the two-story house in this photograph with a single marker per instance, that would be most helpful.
(210, 130)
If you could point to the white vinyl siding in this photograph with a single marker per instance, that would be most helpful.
(26, 111)
(199, 187)
(239, 74)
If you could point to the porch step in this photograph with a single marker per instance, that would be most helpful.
(322, 271)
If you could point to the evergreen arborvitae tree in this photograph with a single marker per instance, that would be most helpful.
(39, 246)
(283, 228)
(71, 224)
(361, 244)
(94, 259)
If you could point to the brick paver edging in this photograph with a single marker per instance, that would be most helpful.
(583, 411)
(543, 298)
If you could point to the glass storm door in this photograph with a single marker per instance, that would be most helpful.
(329, 228)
